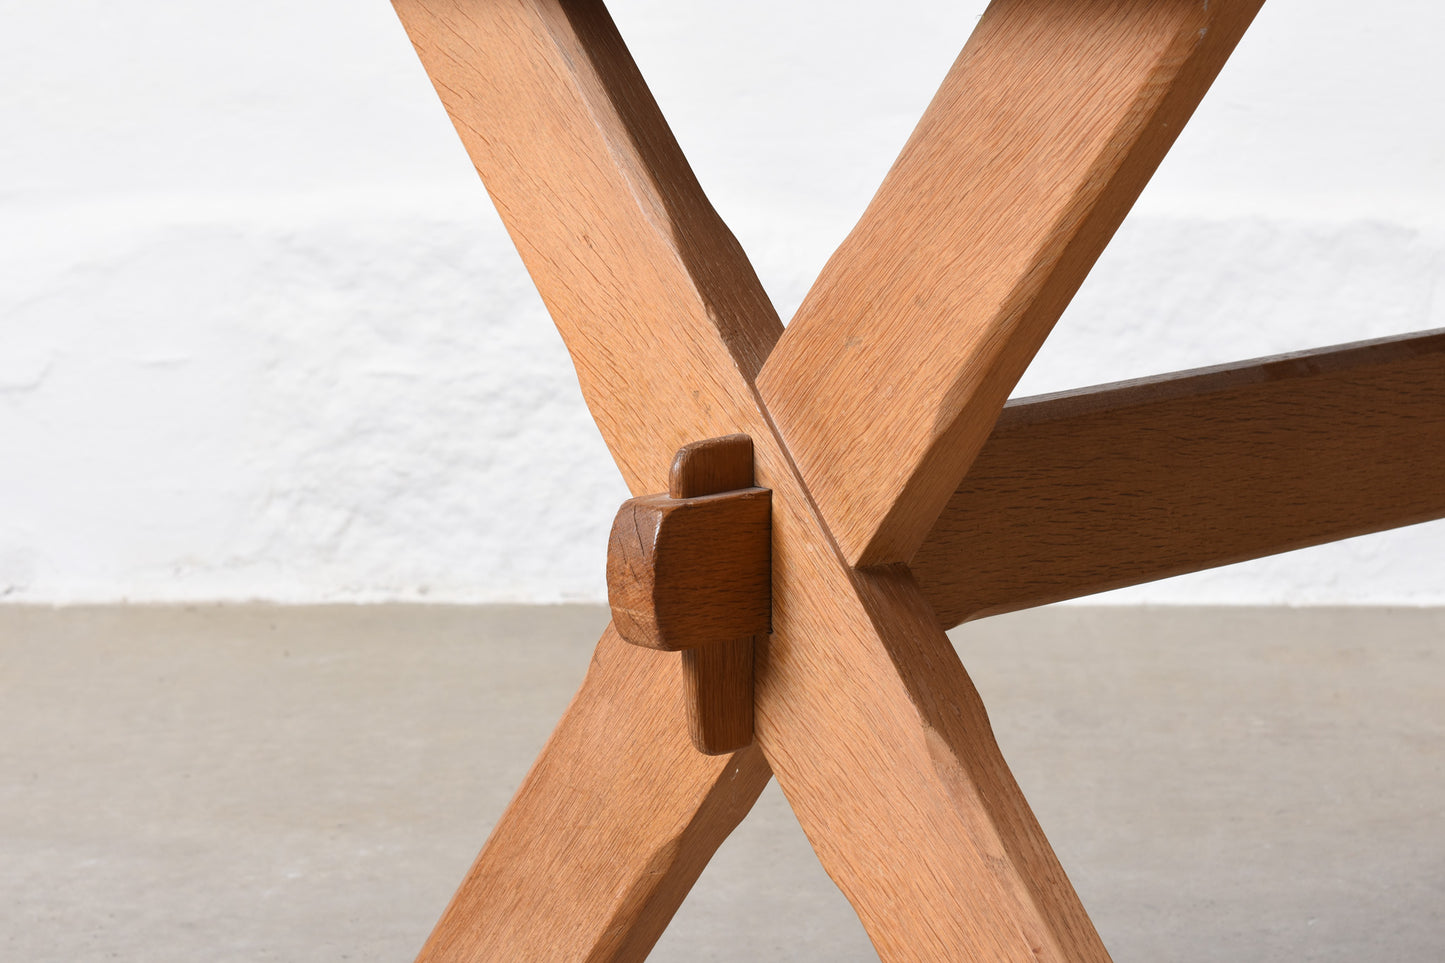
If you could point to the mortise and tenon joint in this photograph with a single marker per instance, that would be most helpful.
(691, 571)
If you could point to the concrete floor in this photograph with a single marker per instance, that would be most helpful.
(260, 783)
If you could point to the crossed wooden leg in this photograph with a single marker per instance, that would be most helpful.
(865, 417)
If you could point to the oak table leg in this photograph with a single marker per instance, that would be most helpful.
(865, 417)
(861, 704)
(608, 831)
(620, 813)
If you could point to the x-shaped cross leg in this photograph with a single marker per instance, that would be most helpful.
(865, 416)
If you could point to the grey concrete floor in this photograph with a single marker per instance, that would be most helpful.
(264, 783)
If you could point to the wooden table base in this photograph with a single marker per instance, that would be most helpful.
(904, 496)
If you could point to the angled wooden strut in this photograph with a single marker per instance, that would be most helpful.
(864, 420)
(619, 813)
(1055, 115)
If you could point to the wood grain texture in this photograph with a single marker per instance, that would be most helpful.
(711, 466)
(884, 750)
(638, 272)
(718, 692)
(862, 706)
(685, 572)
(1099, 488)
(608, 832)
(718, 678)
(667, 326)
(889, 378)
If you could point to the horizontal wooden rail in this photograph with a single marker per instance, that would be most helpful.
(1095, 489)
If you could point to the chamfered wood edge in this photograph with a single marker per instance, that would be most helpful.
(1195, 382)
(1098, 488)
(658, 369)
(611, 827)
(888, 380)
(641, 277)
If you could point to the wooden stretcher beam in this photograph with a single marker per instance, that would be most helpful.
(1089, 490)
(634, 265)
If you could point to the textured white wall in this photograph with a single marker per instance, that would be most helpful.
(262, 335)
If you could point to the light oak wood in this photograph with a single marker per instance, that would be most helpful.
(1094, 489)
(639, 275)
(891, 375)
(711, 466)
(883, 748)
(610, 829)
(862, 707)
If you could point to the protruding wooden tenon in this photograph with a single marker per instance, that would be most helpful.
(691, 570)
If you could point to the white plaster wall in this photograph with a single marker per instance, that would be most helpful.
(262, 335)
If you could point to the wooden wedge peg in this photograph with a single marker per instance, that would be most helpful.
(691, 571)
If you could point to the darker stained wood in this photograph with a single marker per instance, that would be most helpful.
(691, 571)
(717, 679)
(711, 466)
(685, 572)
(718, 689)
(1100, 488)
